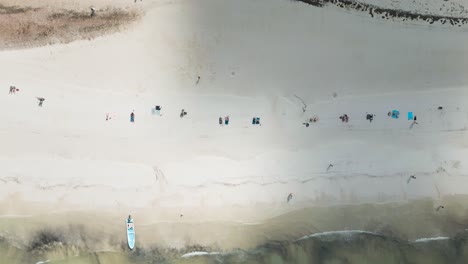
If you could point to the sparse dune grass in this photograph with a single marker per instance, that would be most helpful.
(24, 27)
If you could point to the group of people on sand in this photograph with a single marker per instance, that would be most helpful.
(13, 90)
(255, 120)
(183, 113)
(226, 120)
(313, 119)
(345, 118)
(156, 111)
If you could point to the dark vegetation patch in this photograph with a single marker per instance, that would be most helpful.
(46, 240)
(386, 13)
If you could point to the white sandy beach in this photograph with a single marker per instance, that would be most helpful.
(254, 58)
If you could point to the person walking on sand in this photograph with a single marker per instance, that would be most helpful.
(414, 123)
(198, 80)
(41, 100)
(410, 178)
(290, 196)
(132, 117)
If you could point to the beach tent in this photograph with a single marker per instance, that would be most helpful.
(410, 115)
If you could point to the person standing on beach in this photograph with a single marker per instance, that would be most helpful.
(290, 196)
(198, 80)
(132, 117)
(220, 121)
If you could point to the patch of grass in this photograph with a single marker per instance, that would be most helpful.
(26, 27)
(15, 9)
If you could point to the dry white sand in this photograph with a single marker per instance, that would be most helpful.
(253, 58)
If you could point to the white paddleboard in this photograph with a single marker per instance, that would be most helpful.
(130, 233)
